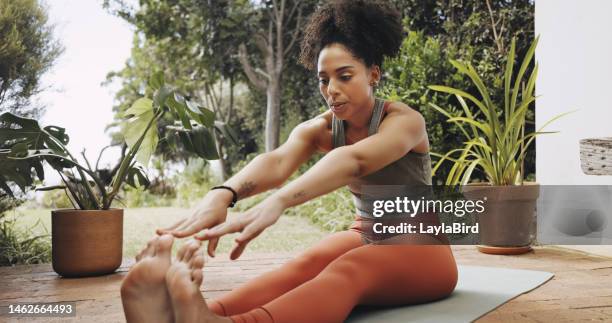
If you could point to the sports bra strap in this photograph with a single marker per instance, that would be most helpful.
(338, 137)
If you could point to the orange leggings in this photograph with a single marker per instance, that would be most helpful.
(339, 272)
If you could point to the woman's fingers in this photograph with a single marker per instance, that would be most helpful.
(212, 246)
(184, 226)
(170, 228)
(229, 226)
(237, 251)
(249, 233)
(193, 227)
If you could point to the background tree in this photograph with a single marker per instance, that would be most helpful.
(27, 51)
(468, 30)
(259, 35)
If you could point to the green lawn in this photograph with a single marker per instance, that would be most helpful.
(290, 233)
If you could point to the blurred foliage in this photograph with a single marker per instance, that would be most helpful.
(20, 246)
(438, 31)
(56, 200)
(332, 212)
(424, 61)
(27, 50)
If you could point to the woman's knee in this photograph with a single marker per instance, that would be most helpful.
(309, 262)
(347, 266)
(330, 249)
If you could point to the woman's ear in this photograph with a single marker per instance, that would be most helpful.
(375, 75)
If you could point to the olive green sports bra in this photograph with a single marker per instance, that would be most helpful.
(413, 169)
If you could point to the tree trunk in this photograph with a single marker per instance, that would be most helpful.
(218, 166)
(273, 114)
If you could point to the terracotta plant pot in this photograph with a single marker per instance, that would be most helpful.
(86, 242)
(506, 223)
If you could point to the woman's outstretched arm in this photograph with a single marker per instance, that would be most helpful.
(264, 172)
(272, 169)
(401, 132)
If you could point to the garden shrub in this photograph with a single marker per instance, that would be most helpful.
(20, 246)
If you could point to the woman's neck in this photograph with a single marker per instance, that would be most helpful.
(361, 121)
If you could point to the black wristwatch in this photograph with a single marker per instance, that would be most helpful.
(234, 198)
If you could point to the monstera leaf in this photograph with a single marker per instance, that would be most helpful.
(199, 141)
(142, 119)
(20, 172)
(137, 177)
(21, 142)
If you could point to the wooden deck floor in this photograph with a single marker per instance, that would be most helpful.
(580, 291)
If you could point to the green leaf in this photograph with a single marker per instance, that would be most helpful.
(464, 94)
(207, 117)
(177, 104)
(136, 127)
(59, 133)
(227, 132)
(524, 65)
(507, 78)
(140, 106)
(204, 143)
(137, 177)
(156, 81)
(201, 115)
(161, 96)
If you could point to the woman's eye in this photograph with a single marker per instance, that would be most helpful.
(345, 77)
(323, 81)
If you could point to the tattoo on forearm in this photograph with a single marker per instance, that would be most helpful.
(246, 189)
(299, 194)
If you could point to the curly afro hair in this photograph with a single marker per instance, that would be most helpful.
(370, 29)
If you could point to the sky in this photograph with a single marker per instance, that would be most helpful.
(95, 43)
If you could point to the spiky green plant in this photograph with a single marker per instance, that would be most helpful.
(497, 143)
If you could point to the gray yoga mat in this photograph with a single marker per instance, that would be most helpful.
(479, 291)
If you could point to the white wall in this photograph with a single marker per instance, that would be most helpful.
(575, 59)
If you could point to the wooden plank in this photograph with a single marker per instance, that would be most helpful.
(580, 290)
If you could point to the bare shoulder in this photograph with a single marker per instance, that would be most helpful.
(312, 131)
(401, 118)
(403, 114)
(315, 125)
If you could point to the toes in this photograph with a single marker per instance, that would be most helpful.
(197, 276)
(181, 251)
(163, 247)
(196, 262)
(188, 250)
(149, 250)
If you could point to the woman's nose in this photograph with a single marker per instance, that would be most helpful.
(332, 90)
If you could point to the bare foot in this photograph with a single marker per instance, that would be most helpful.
(183, 280)
(143, 292)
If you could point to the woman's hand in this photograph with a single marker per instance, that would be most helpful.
(251, 223)
(209, 212)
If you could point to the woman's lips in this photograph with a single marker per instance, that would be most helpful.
(338, 107)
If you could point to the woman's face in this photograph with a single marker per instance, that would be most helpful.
(345, 81)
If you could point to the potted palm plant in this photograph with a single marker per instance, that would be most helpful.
(496, 144)
(87, 240)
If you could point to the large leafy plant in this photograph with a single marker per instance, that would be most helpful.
(496, 141)
(25, 146)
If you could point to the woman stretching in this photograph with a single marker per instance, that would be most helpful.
(365, 141)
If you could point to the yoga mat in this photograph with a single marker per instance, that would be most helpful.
(479, 291)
